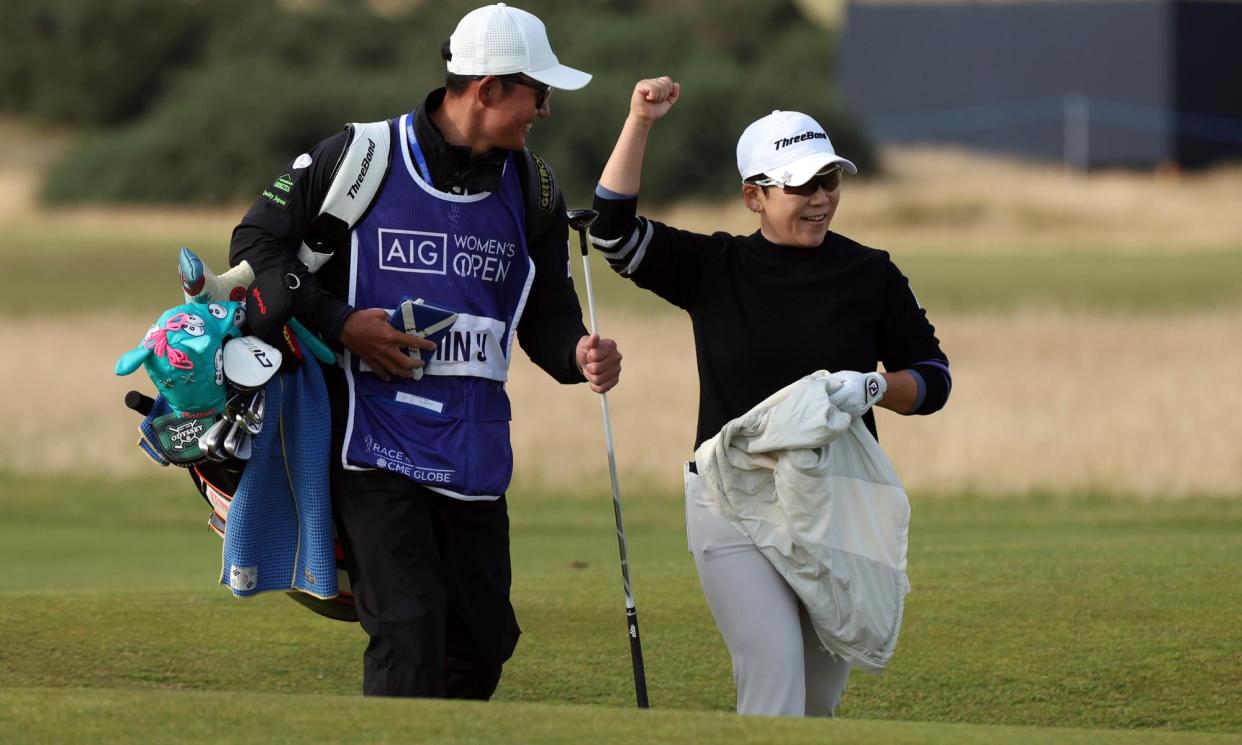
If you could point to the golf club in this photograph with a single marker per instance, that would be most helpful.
(213, 439)
(252, 415)
(233, 440)
(139, 402)
(581, 221)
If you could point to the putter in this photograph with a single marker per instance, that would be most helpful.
(581, 221)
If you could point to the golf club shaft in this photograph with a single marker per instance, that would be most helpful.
(139, 402)
(631, 611)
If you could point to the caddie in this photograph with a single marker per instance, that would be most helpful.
(444, 204)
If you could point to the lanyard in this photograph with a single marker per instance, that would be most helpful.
(416, 150)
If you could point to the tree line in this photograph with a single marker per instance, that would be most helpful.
(200, 102)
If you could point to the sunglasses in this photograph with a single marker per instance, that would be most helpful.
(828, 179)
(544, 91)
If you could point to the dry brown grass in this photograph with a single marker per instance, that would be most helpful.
(935, 200)
(940, 200)
(1057, 401)
(62, 406)
(1043, 401)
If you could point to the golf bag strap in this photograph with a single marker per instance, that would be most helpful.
(358, 177)
(361, 172)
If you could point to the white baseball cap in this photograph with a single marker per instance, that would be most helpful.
(788, 147)
(499, 40)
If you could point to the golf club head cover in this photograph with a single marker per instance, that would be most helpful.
(201, 285)
(183, 354)
(855, 392)
(169, 438)
(249, 362)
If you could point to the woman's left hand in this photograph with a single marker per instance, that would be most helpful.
(653, 98)
(855, 392)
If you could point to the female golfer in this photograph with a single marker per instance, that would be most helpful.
(767, 309)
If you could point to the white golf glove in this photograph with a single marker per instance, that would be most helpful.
(855, 392)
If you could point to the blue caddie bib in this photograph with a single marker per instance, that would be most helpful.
(449, 430)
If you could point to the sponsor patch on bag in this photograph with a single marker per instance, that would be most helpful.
(178, 436)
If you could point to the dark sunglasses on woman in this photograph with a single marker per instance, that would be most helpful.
(828, 179)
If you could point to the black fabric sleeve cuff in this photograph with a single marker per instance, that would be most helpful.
(332, 334)
(617, 217)
(574, 373)
(325, 314)
(553, 346)
(938, 383)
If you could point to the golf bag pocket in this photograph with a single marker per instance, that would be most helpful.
(217, 482)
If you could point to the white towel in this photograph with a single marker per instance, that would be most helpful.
(821, 501)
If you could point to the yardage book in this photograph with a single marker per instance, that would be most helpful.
(418, 318)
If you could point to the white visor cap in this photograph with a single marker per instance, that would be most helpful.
(499, 40)
(788, 147)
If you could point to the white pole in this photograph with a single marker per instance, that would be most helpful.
(1077, 139)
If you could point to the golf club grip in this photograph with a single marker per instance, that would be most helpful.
(139, 402)
(636, 656)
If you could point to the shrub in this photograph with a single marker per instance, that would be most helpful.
(87, 62)
(269, 82)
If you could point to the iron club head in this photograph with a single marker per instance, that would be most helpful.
(233, 439)
(252, 415)
(212, 441)
(245, 447)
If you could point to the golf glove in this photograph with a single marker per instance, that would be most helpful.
(855, 392)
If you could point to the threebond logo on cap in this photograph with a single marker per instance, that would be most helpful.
(787, 141)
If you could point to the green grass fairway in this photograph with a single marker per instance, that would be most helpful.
(95, 716)
(71, 269)
(1079, 613)
(1083, 280)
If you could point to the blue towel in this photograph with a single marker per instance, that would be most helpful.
(150, 442)
(279, 532)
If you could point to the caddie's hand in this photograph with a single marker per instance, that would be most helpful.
(855, 392)
(368, 335)
(653, 98)
(600, 361)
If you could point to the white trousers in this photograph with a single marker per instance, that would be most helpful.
(779, 666)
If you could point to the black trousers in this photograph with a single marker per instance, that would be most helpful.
(430, 575)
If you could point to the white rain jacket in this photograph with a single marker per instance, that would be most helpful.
(822, 502)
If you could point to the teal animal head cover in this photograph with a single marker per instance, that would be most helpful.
(183, 352)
